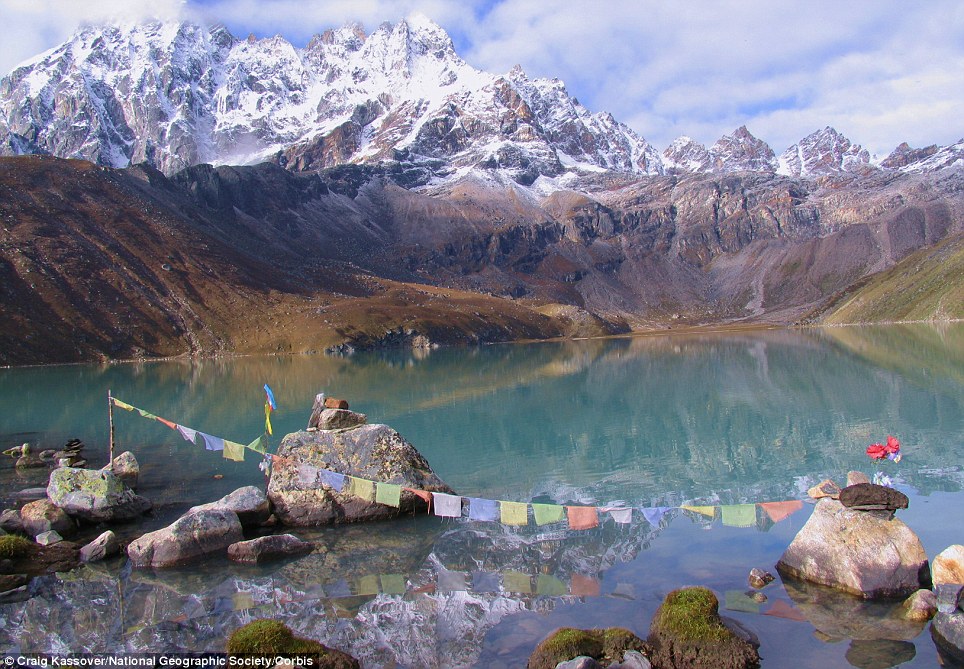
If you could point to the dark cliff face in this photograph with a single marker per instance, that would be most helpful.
(114, 263)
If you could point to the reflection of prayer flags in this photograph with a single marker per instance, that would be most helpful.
(121, 405)
(362, 488)
(780, 510)
(739, 515)
(389, 494)
(188, 434)
(267, 418)
(551, 586)
(738, 601)
(367, 585)
(782, 609)
(338, 589)
(582, 517)
(393, 584)
(259, 445)
(233, 451)
(485, 582)
(514, 581)
(451, 581)
(146, 414)
(654, 514)
(514, 513)
(165, 422)
(708, 511)
(547, 513)
(211, 442)
(622, 516)
(424, 495)
(242, 600)
(333, 480)
(447, 506)
(483, 509)
(270, 396)
(584, 586)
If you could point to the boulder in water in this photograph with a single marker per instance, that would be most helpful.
(249, 502)
(948, 566)
(370, 452)
(858, 552)
(94, 495)
(265, 549)
(126, 468)
(43, 515)
(102, 547)
(190, 536)
(582, 648)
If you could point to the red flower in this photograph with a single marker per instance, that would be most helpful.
(877, 451)
(893, 446)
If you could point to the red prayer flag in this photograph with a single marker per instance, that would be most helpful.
(166, 422)
(780, 510)
(582, 517)
(584, 586)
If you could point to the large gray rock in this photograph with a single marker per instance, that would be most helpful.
(102, 547)
(947, 630)
(265, 549)
(42, 515)
(858, 552)
(94, 495)
(249, 502)
(189, 537)
(948, 566)
(126, 468)
(10, 521)
(372, 452)
(339, 419)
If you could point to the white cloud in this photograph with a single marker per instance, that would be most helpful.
(880, 71)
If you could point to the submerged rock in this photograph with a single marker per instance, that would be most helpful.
(190, 536)
(947, 630)
(28, 459)
(265, 549)
(94, 495)
(922, 605)
(571, 647)
(879, 653)
(272, 639)
(43, 515)
(857, 552)
(249, 502)
(371, 452)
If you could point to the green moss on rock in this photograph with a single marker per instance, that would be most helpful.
(12, 547)
(271, 638)
(603, 645)
(691, 614)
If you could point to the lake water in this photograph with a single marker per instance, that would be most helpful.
(712, 419)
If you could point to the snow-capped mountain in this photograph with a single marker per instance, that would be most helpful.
(823, 152)
(687, 155)
(739, 152)
(176, 94)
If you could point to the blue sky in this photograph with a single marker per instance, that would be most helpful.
(880, 71)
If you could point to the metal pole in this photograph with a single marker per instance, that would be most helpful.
(110, 417)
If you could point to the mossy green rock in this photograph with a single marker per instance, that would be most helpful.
(272, 638)
(12, 546)
(603, 645)
(687, 631)
(94, 495)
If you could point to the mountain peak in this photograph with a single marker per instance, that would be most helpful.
(741, 151)
(822, 152)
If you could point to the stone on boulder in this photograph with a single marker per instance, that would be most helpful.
(102, 547)
(125, 468)
(759, 578)
(853, 478)
(94, 495)
(340, 419)
(43, 515)
(371, 452)
(190, 536)
(857, 552)
(10, 521)
(49, 538)
(922, 605)
(872, 497)
(825, 488)
(334, 403)
(249, 502)
(265, 549)
(28, 459)
(948, 566)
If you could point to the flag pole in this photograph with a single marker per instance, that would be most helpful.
(110, 418)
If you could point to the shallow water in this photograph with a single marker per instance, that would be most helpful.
(649, 421)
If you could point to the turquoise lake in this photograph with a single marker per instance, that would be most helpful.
(707, 419)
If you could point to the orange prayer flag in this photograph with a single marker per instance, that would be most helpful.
(780, 510)
(582, 517)
(584, 586)
(171, 425)
(425, 496)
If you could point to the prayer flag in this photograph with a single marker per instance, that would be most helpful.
(451, 581)
(622, 516)
(267, 418)
(259, 445)
(424, 495)
(307, 475)
(188, 434)
(654, 514)
(362, 488)
(233, 451)
(514, 581)
(367, 585)
(708, 511)
(388, 494)
(333, 480)
(738, 515)
(393, 584)
(485, 582)
(121, 405)
(270, 396)
(736, 600)
(338, 589)
(146, 414)
(211, 442)
(242, 600)
(584, 586)
(550, 585)
(582, 517)
(483, 509)
(780, 510)
(548, 513)
(165, 422)
(514, 513)
(447, 506)
(783, 609)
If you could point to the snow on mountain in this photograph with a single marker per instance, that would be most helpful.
(823, 152)
(742, 152)
(176, 94)
(687, 155)
(928, 159)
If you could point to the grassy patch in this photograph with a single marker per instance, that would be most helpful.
(12, 547)
(566, 643)
(272, 638)
(690, 614)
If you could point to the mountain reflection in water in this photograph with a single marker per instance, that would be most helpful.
(697, 419)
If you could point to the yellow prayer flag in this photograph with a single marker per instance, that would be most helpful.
(267, 418)
(708, 511)
(514, 513)
(362, 488)
(121, 405)
(233, 451)
(514, 581)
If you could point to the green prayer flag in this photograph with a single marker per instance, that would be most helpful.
(739, 515)
(393, 584)
(362, 488)
(514, 513)
(233, 451)
(260, 445)
(547, 513)
(550, 585)
(514, 581)
(388, 494)
(122, 405)
(367, 585)
(146, 414)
